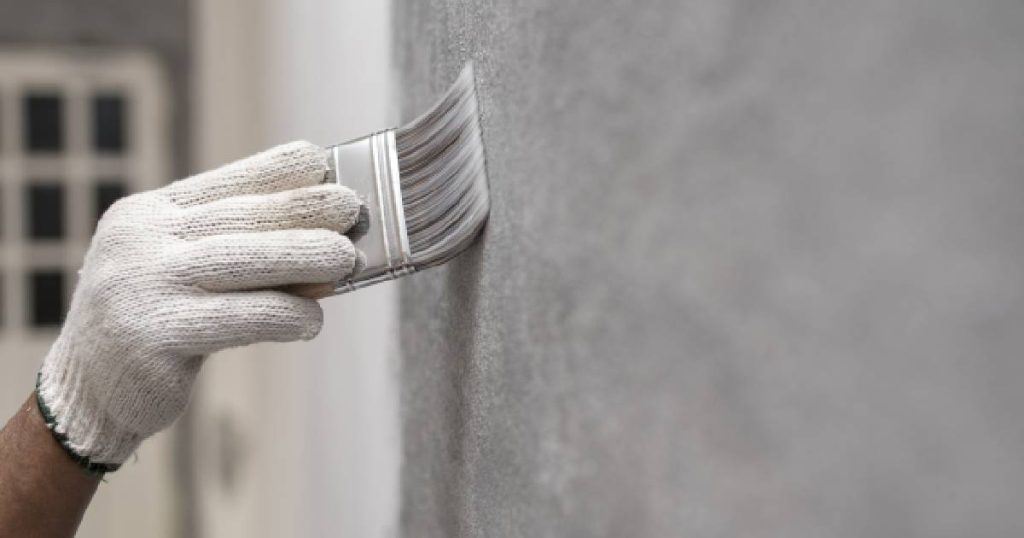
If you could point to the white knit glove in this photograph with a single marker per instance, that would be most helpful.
(180, 272)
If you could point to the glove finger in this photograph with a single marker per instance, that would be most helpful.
(332, 207)
(289, 166)
(263, 259)
(219, 321)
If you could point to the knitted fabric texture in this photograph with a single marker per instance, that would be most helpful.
(177, 273)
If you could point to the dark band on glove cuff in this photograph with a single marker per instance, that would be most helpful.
(51, 423)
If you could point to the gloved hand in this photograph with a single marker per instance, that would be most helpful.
(180, 272)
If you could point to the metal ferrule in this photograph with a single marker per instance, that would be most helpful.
(369, 166)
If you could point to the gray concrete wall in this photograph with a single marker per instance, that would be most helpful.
(753, 269)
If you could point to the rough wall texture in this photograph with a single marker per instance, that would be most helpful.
(753, 269)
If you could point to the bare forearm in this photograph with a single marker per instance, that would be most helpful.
(42, 491)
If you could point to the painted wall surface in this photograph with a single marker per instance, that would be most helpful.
(753, 269)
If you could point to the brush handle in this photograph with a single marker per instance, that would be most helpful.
(369, 166)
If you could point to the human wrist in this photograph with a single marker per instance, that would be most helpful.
(44, 492)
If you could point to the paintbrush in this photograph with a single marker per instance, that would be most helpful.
(424, 189)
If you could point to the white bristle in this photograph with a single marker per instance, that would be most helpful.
(443, 176)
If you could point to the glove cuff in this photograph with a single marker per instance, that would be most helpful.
(90, 466)
(92, 439)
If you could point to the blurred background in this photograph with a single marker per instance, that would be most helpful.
(102, 99)
(752, 268)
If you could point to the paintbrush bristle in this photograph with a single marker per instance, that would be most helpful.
(443, 175)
